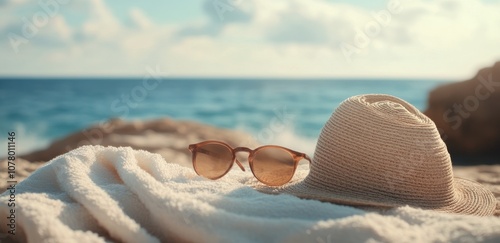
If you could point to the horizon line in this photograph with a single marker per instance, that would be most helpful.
(236, 78)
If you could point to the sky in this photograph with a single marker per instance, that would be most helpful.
(442, 39)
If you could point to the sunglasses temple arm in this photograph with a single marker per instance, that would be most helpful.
(307, 158)
(240, 165)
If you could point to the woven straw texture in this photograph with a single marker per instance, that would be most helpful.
(378, 150)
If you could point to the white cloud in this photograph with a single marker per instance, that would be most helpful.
(56, 32)
(426, 39)
(441, 38)
(101, 24)
(139, 19)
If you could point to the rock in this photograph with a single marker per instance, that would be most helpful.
(167, 137)
(468, 113)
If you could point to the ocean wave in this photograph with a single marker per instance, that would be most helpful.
(27, 140)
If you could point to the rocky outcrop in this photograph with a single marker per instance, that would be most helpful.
(468, 113)
(167, 137)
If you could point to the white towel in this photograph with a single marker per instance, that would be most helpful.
(100, 194)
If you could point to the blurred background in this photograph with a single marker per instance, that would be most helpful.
(245, 65)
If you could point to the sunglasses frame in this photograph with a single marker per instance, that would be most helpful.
(297, 157)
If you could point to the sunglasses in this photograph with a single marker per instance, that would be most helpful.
(271, 164)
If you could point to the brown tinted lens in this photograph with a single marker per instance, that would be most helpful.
(213, 160)
(273, 166)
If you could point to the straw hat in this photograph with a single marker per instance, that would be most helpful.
(378, 150)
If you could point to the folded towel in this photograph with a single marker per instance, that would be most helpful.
(99, 194)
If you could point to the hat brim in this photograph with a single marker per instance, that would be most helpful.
(470, 198)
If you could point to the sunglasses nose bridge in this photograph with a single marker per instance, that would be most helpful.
(242, 149)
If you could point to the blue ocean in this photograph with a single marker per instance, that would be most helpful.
(42, 110)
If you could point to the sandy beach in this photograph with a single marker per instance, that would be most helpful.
(169, 138)
(127, 194)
